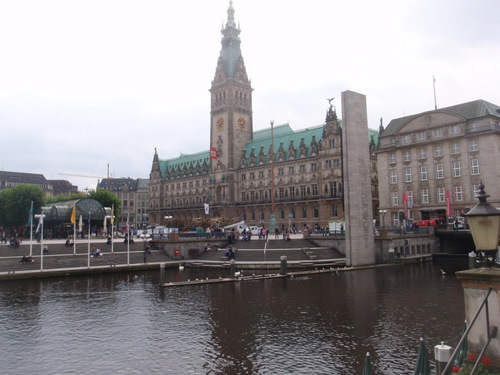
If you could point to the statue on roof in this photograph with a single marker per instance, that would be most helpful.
(330, 100)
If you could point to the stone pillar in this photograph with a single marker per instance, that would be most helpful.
(359, 237)
(476, 284)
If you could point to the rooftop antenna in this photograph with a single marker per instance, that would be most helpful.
(434, 84)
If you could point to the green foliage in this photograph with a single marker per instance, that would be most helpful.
(107, 199)
(61, 198)
(15, 204)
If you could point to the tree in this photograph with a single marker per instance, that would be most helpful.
(107, 199)
(15, 204)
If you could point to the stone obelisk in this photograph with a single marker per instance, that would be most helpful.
(359, 236)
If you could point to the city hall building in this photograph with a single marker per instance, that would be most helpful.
(243, 170)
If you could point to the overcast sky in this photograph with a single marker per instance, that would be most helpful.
(87, 83)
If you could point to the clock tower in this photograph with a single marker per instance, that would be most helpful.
(231, 103)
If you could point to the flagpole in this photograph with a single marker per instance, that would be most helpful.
(31, 229)
(74, 236)
(112, 225)
(128, 239)
(41, 241)
(88, 257)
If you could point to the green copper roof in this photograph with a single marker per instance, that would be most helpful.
(468, 111)
(184, 161)
(283, 135)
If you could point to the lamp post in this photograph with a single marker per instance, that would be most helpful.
(484, 223)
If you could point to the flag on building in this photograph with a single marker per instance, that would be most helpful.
(207, 208)
(112, 214)
(73, 214)
(213, 153)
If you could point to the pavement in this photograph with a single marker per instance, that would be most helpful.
(62, 259)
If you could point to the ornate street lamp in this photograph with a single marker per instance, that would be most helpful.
(484, 223)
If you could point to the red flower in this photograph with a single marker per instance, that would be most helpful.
(472, 357)
(456, 369)
(486, 361)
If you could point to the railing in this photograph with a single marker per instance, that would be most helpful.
(491, 334)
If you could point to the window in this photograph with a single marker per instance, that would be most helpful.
(394, 198)
(455, 149)
(282, 214)
(423, 173)
(394, 176)
(304, 212)
(290, 170)
(281, 172)
(407, 174)
(441, 197)
(454, 129)
(475, 189)
(473, 145)
(406, 138)
(302, 168)
(439, 171)
(281, 193)
(473, 126)
(424, 196)
(393, 141)
(314, 167)
(292, 192)
(407, 156)
(438, 151)
(303, 191)
(315, 190)
(334, 210)
(252, 176)
(409, 195)
(458, 193)
(437, 132)
(392, 158)
(474, 164)
(457, 170)
(421, 153)
(315, 212)
(421, 136)
(261, 174)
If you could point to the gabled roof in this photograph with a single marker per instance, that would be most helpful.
(470, 110)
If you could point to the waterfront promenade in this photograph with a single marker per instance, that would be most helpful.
(62, 260)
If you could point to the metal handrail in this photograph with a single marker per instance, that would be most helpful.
(491, 335)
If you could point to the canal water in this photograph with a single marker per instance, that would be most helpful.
(320, 324)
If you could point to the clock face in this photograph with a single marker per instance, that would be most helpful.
(220, 123)
(242, 123)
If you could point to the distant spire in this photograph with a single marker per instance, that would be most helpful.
(230, 15)
(230, 51)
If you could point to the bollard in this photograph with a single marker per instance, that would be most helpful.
(231, 269)
(442, 354)
(472, 260)
(391, 255)
(283, 260)
(162, 273)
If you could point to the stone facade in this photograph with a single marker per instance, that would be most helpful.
(133, 194)
(435, 154)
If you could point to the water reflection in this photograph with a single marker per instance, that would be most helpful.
(126, 323)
